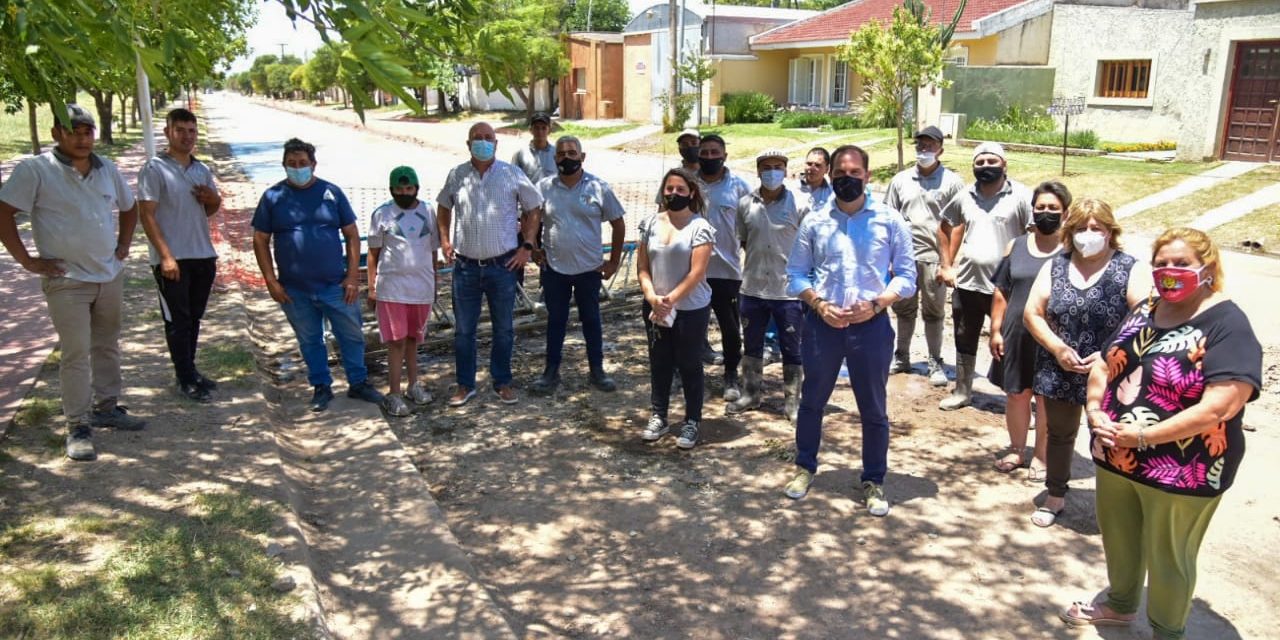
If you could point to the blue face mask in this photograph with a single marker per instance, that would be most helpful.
(772, 178)
(482, 150)
(298, 176)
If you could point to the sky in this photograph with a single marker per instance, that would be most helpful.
(273, 28)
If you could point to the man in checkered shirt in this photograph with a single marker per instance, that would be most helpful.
(488, 196)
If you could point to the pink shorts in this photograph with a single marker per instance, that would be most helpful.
(397, 320)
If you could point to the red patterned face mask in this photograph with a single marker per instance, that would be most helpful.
(1176, 284)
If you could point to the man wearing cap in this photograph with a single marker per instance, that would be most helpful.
(919, 194)
(976, 226)
(767, 224)
(724, 191)
(488, 198)
(176, 198)
(687, 143)
(575, 204)
(70, 192)
(304, 223)
(538, 159)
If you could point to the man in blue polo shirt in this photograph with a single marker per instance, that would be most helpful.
(302, 217)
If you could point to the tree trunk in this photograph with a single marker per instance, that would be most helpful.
(898, 118)
(673, 82)
(103, 101)
(124, 113)
(133, 112)
(31, 123)
(442, 104)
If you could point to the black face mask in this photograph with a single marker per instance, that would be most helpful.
(1047, 222)
(569, 166)
(676, 202)
(405, 200)
(848, 188)
(988, 174)
(690, 154)
(710, 166)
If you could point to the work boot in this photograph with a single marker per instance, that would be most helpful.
(900, 364)
(80, 443)
(902, 355)
(601, 380)
(937, 376)
(792, 379)
(962, 395)
(546, 384)
(752, 374)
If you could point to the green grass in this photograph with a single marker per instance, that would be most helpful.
(747, 140)
(1188, 208)
(1261, 225)
(573, 128)
(227, 362)
(37, 411)
(1114, 181)
(15, 137)
(201, 574)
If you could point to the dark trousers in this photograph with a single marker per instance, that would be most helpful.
(558, 290)
(867, 349)
(677, 347)
(724, 302)
(969, 309)
(1064, 423)
(182, 305)
(788, 315)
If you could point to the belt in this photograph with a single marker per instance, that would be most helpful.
(496, 260)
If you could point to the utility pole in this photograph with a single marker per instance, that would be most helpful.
(673, 79)
(282, 51)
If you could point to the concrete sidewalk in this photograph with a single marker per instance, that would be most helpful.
(1238, 208)
(1210, 178)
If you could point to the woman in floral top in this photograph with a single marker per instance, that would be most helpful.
(1166, 407)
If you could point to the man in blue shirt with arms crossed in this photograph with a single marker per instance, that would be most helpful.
(851, 260)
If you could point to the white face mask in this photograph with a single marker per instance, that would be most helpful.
(1089, 243)
(926, 159)
(772, 178)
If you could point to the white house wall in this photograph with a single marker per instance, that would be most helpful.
(475, 98)
(1084, 35)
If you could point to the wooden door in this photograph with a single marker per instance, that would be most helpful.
(1253, 119)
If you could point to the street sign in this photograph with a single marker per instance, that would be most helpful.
(1066, 107)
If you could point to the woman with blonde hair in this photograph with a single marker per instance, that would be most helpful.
(1166, 412)
(1076, 303)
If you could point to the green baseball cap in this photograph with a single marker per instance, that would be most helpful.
(400, 175)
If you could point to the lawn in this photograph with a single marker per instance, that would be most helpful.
(1263, 225)
(1114, 181)
(15, 138)
(1190, 207)
(573, 128)
(746, 140)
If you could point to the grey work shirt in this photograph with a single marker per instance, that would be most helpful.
(486, 209)
(571, 222)
(813, 198)
(72, 215)
(536, 163)
(181, 218)
(670, 262)
(723, 196)
(990, 223)
(767, 230)
(920, 199)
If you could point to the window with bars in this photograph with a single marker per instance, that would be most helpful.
(1123, 78)
(839, 83)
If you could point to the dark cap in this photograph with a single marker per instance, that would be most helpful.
(78, 115)
(931, 132)
(403, 175)
(540, 117)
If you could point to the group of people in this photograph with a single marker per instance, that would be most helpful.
(1159, 365)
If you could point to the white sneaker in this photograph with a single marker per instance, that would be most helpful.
(876, 504)
(656, 428)
(395, 405)
(419, 394)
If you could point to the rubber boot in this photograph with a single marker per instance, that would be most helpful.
(792, 378)
(902, 355)
(962, 395)
(752, 377)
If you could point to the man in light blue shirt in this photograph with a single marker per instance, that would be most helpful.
(851, 260)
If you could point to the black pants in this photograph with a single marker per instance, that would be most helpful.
(677, 347)
(182, 304)
(969, 309)
(725, 304)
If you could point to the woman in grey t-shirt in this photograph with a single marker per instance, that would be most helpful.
(675, 247)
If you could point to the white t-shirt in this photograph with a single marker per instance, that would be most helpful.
(408, 240)
(72, 216)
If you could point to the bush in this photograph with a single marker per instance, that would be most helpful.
(876, 112)
(802, 119)
(685, 104)
(748, 107)
(1130, 147)
(1083, 139)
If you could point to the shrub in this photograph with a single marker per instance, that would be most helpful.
(802, 119)
(876, 112)
(1130, 147)
(685, 104)
(1082, 139)
(748, 107)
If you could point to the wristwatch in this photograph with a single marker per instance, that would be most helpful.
(527, 246)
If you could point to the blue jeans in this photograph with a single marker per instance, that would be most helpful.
(307, 314)
(472, 281)
(584, 288)
(758, 314)
(867, 348)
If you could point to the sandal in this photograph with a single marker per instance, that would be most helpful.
(1011, 460)
(1035, 472)
(1084, 614)
(1044, 518)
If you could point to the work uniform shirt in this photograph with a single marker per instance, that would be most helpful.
(847, 258)
(767, 230)
(486, 208)
(813, 198)
(306, 232)
(407, 240)
(536, 163)
(72, 215)
(920, 199)
(181, 218)
(571, 222)
(723, 196)
(990, 223)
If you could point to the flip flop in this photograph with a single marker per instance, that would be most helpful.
(1084, 614)
(1044, 518)
(1035, 472)
(1008, 463)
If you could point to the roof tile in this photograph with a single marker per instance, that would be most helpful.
(837, 23)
